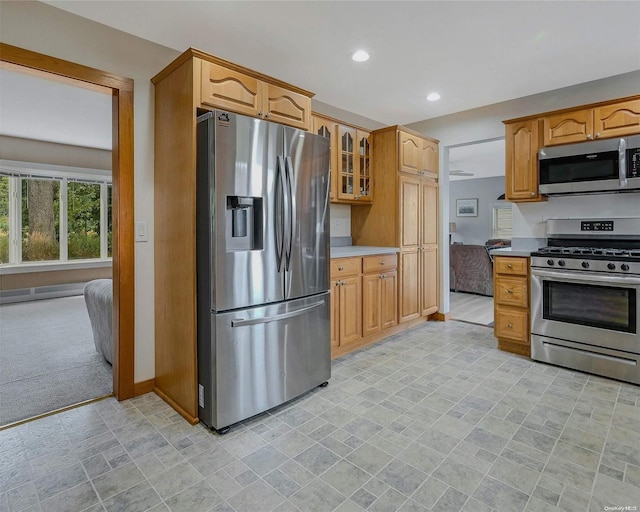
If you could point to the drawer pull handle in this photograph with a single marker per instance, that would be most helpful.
(510, 325)
(509, 291)
(341, 268)
(382, 262)
(509, 265)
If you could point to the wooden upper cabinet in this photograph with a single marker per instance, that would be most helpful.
(600, 122)
(253, 95)
(327, 128)
(410, 153)
(618, 120)
(346, 171)
(430, 156)
(521, 173)
(283, 106)
(575, 126)
(363, 167)
(230, 90)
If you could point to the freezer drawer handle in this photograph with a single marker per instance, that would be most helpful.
(240, 322)
(630, 362)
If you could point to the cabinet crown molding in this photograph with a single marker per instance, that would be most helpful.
(571, 109)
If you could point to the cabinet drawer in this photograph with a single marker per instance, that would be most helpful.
(512, 323)
(511, 291)
(511, 265)
(379, 262)
(345, 267)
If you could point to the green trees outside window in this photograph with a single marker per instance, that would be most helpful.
(57, 218)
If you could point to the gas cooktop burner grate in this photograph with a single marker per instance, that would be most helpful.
(587, 251)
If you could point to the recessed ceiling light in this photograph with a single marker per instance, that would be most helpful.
(360, 56)
(433, 96)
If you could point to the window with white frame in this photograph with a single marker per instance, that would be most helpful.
(53, 213)
(502, 221)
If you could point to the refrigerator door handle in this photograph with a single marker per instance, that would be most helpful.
(292, 210)
(280, 216)
(240, 322)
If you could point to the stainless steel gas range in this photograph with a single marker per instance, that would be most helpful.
(585, 297)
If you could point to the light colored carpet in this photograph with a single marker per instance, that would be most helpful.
(47, 358)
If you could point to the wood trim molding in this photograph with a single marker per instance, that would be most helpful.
(572, 109)
(440, 317)
(144, 387)
(191, 419)
(123, 203)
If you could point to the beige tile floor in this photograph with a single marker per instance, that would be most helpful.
(433, 419)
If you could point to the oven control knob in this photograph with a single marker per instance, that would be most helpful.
(611, 266)
(561, 263)
(585, 264)
(624, 266)
(550, 263)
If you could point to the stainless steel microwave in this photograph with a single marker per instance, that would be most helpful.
(611, 165)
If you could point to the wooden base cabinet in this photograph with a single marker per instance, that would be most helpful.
(346, 296)
(364, 295)
(379, 293)
(511, 304)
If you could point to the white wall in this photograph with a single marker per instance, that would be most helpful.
(485, 123)
(475, 230)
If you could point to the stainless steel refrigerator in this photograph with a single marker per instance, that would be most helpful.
(262, 222)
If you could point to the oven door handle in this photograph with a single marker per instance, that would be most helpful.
(591, 277)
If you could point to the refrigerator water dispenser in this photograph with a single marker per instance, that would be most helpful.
(244, 223)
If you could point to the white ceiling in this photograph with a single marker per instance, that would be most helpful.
(39, 109)
(474, 53)
(482, 160)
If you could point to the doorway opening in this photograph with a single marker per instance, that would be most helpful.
(120, 89)
(477, 223)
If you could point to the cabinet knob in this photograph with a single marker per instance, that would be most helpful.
(382, 262)
(532, 194)
(268, 114)
(260, 114)
(509, 291)
(509, 265)
(340, 267)
(510, 325)
(597, 135)
(589, 136)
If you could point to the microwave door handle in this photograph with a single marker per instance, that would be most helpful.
(622, 162)
(592, 277)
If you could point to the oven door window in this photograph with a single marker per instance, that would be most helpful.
(606, 307)
(571, 169)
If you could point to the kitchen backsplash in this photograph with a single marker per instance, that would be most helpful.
(529, 219)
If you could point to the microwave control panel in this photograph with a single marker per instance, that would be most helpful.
(633, 163)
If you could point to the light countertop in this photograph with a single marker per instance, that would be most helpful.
(510, 251)
(520, 247)
(360, 250)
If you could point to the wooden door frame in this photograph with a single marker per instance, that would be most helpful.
(123, 200)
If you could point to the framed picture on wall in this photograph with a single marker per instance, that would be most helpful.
(466, 207)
